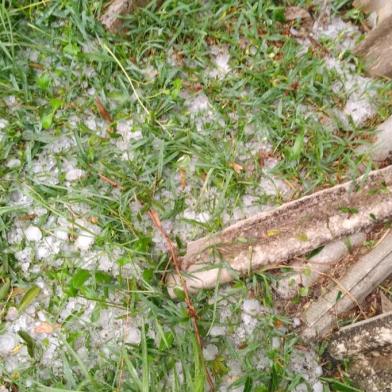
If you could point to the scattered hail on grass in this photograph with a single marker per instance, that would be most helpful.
(360, 90)
(85, 262)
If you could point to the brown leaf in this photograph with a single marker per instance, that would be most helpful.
(182, 178)
(46, 328)
(27, 217)
(263, 155)
(293, 13)
(17, 291)
(278, 323)
(236, 167)
(102, 110)
(36, 66)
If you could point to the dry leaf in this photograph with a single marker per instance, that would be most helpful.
(278, 323)
(182, 178)
(27, 217)
(102, 111)
(293, 13)
(36, 66)
(236, 167)
(46, 328)
(17, 291)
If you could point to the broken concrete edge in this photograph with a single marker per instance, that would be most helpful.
(318, 217)
(367, 335)
(320, 318)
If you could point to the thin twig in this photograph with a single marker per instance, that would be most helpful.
(109, 181)
(177, 266)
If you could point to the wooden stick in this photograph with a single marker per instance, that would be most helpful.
(361, 279)
(289, 231)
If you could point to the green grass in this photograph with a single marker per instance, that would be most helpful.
(269, 87)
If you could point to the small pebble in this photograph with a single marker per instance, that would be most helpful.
(33, 233)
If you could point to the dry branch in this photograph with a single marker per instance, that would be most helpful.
(291, 230)
(376, 49)
(359, 281)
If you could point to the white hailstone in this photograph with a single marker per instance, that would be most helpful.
(91, 91)
(3, 123)
(252, 306)
(296, 322)
(203, 217)
(7, 343)
(13, 163)
(221, 60)
(105, 263)
(275, 342)
(91, 123)
(217, 331)
(132, 336)
(12, 314)
(318, 371)
(210, 352)
(301, 388)
(318, 387)
(74, 174)
(49, 246)
(198, 104)
(33, 233)
(61, 234)
(84, 241)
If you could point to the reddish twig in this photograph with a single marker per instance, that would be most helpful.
(102, 110)
(109, 181)
(177, 266)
